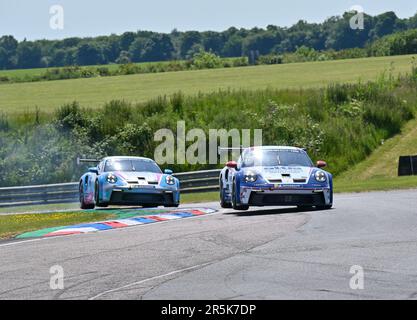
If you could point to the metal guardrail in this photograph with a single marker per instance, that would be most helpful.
(191, 182)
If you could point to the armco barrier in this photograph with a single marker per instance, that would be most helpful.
(191, 182)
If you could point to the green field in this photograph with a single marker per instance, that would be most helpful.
(94, 92)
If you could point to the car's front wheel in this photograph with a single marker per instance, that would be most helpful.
(304, 207)
(176, 205)
(234, 200)
(97, 197)
(83, 205)
(326, 207)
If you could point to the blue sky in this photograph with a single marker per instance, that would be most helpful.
(30, 18)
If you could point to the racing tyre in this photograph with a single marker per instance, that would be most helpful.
(97, 198)
(327, 207)
(152, 205)
(223, 202)
(172, 205)
(234, 202)
(304, 207)
(84, 205)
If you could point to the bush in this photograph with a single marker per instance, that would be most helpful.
(270, 59)
(206, 60)
(70, 116)
(4, 79)
(103, 71)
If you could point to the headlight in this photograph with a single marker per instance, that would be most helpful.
(111, 178)
(320, 176)
(170, 180)
(250, 176)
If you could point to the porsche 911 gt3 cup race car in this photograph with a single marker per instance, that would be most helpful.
(128, 181)
(275, 176)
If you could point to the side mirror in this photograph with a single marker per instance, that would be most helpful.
(93, 170)
(168, 171)
(231, 164)
(321, 164)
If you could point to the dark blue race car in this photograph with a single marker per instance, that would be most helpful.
(275, 176)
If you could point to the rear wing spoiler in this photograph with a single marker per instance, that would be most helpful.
(241, 148)
(80, 160)
(227, 149)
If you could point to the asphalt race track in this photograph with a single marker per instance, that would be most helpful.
(266, 253)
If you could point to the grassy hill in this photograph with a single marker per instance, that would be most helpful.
(47, 96)
(379, 170)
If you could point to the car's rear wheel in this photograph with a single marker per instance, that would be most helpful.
(83, 205)
(234, 200)
(223, 202)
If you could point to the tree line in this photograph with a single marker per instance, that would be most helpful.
(334, 33)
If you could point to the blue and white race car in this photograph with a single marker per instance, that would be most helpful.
(128, 181)
(275, 176)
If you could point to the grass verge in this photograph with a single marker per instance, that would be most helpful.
(12, 225)
(375, 184)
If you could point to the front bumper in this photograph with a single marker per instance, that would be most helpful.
(290, 196)
(142, 196)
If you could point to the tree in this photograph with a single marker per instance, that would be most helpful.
(58, 58)
(123, 58)
(8, 46)
(412, 22)
(4, 58)
(111, 48)
(262, 42)
(136, 49)
(233, 46)
(126, 40)
(158, 48)
(89, 54)
(187, 41)
(213, 41)
(342, 36)
(385, 24)
(29, 55)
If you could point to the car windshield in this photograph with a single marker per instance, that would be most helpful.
(271, 158)
(132, 165)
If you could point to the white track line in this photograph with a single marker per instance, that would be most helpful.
(24, 241)
(149, 279)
